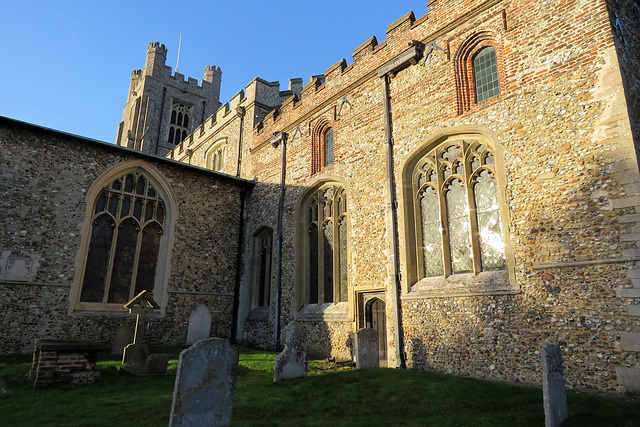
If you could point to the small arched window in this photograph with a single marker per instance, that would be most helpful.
(261, 268)
(215, 156)
(485, 72)
(477, 65)
(328, 146)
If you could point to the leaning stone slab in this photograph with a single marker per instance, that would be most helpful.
(205, 384)
(292, 362)
(122, 338)
(135, 356)
(366, 349)
(555, 397)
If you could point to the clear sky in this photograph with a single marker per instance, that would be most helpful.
(66, 64)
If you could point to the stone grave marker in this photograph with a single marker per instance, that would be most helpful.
(157, 364)
(292, 361)
(135, 355)
(205, 384)
(122, 338)
(366, 349)
(555, 397)
(199, 324)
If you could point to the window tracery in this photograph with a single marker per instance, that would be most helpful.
(180, 122)
(128, 222)
(325, 244)
(457, 210)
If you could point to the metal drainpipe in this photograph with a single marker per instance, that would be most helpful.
(393, 222)
(236, 290)
(241, 111)
(279, 137)
(409, 57)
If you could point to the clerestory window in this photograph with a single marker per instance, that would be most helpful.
(485, 71)
(457, 210)
(328, 146)
(325, 245)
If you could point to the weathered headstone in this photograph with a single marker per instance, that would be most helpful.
(555, 397)
(292, 362)
(122, 338)
(199, 324)
(157, 364)
(205, 384)
(366, 349)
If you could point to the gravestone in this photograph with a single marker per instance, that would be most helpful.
(122, 338)
(199, 324)
(292, 362)
(366, 349)
(205, 384)
(555, 397)
(157, 364)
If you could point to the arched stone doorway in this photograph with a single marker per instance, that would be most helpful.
(375, 314)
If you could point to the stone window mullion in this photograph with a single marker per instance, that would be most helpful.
(471, 202)
(444, 221)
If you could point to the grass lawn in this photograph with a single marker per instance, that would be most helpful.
(329, 396)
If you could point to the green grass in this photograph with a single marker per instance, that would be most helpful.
(329, 396)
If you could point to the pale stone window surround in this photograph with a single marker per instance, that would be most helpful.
(163, 264)
(464, 68)
(215, 155)
(331, 194)
(417, 283)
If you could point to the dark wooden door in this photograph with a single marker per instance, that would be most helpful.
(376, 315)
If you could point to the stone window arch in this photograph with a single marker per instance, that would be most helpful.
(215, 155)
(323, 146)
(478, 67)
(126, 239)
(456, 217)
(261, 260)
(323, 224)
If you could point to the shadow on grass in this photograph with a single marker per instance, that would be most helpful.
(329, 396)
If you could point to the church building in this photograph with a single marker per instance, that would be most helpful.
(468, 187)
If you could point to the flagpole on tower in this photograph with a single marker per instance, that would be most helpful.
(179, 45)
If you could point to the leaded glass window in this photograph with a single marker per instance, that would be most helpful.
(457, 209)
(127, 228)
(485, 72)
(328, 146)
(326, 245)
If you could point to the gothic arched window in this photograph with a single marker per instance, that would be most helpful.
(322, 146)
(124, 242)
(457, 210)
(325, 263)
(179, 123)
(215, 155)
(261, 268)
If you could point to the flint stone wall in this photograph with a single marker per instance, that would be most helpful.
(44, 176)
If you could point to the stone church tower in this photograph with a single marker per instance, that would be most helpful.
(162, 109)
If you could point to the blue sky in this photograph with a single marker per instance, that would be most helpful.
(67, 64)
